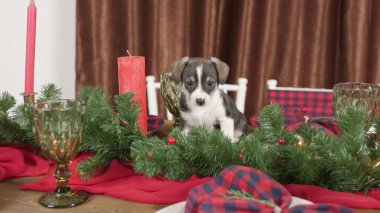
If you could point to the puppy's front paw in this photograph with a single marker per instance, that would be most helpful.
(227, 128)
(185, 131)
(235, 139)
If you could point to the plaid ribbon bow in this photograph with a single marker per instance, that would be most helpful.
(244, 189)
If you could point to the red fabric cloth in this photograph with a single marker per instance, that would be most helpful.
(16, 162)
(121, 181)
(320, 195)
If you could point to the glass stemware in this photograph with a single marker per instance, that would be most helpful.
(57, 128)
(170, 93)
(361, 95)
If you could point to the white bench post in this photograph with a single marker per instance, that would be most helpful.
(241, 94)
(152, 95)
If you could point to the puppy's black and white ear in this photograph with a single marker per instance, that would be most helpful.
(177, 67)
(222, 69)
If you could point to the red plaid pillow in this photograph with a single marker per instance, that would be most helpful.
(297, 104)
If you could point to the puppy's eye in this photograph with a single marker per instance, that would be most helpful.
(210, 83)
(189, 83)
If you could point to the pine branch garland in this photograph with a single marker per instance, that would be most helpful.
(307, 156)
(349, 161)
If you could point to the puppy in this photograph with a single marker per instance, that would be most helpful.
(201, 100)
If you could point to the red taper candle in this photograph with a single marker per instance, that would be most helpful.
(30, 48)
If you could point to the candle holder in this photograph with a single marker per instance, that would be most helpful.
(29, 98)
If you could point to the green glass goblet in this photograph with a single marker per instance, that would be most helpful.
(361, 95)
(170, 93)
(57, 128)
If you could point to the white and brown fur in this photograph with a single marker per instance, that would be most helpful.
(202, 103)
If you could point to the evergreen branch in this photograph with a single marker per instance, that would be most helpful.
(7, 101)
(93, 165)
(219, 152)
(352, 124)
(23, 118)
(18, 126)
(271, 122)
(237, 194)
(192, 144)
(176, 167)
(49, 92)
(257, 154)
(128, 131)
(128, 111)
(101, 133)
(149, 165)
(11, 132)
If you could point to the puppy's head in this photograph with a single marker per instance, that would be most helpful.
(199, 77)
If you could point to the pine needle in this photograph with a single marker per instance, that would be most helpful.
(7, 101)
(49, 92)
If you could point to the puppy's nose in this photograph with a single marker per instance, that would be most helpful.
(200, 101)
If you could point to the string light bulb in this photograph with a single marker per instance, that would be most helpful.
(376, 164)
(300, 142)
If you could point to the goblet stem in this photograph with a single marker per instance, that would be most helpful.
(62, 174)
(63, 196)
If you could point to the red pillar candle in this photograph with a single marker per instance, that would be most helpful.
(30, 45)
(132, 79)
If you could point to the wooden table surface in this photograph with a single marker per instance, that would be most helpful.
(14, 200)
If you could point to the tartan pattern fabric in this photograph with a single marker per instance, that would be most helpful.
(154, 122)
(329, 125)
(213, 197)
(298, 104)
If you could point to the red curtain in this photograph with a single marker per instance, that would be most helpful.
(301, 43)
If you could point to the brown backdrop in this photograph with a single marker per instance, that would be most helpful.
(303, 43)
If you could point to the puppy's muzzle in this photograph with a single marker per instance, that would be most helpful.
(200, 101)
